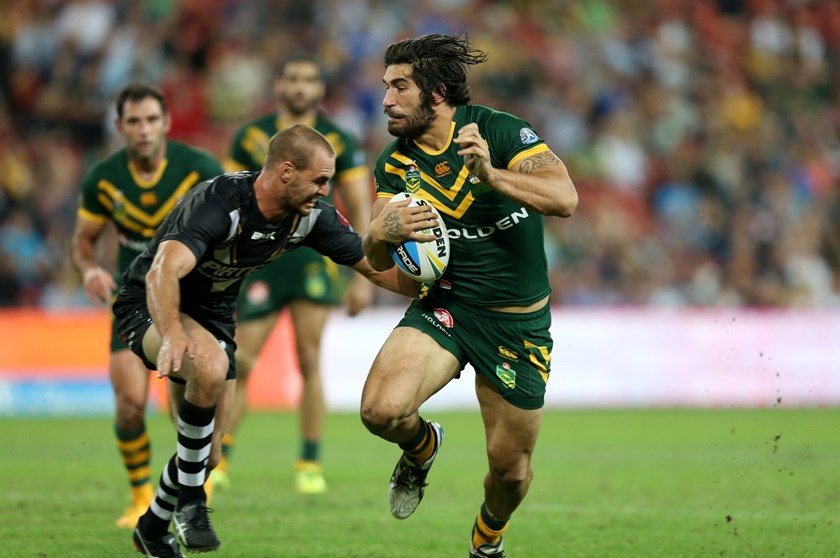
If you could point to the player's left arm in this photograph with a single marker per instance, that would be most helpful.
(390, 279)
(354, 189)
(539, 181)
(172, 262)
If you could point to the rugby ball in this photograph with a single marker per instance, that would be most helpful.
(422, 261)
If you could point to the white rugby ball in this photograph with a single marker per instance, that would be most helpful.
(422, 261)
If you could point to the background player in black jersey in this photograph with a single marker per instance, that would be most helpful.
(492, 179)
(175, 308)
(306, 283)
(134, 188)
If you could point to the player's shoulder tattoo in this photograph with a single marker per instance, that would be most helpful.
(538, 161)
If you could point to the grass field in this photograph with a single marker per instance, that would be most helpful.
(731, 483)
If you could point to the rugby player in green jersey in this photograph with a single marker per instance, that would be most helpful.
(492, 178)
(317, 284)
(135, 188)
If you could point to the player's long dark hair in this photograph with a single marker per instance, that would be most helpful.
(135, 92)
(439, 64)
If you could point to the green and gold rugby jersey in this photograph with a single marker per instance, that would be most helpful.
(497, 255)
(250, 147)
(113, 190)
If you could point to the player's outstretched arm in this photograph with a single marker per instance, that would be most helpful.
(390, 279)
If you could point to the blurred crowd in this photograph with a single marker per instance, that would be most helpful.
(703, 135)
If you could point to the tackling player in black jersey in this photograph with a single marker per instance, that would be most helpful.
(176, 306)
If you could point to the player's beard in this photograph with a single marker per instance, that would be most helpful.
(414, 124)
(145, 158)
(299, 108)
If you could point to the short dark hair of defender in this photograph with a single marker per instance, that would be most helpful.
(135, 92)
(296, 144)
(439, 63)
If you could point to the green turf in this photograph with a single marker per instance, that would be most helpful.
(730, 483)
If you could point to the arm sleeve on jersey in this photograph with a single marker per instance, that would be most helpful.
(200, 224)
(90, 205)
(385, 182)
(333, 237)
(509, 136)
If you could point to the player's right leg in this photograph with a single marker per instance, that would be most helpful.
(205, 378)
(151, 536)
(309, 320)
(410, 367)
(511, 434)
(130, 382)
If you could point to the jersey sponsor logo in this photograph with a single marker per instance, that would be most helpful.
(509, 354)
(442, 169)
(258, 293)
(506, 374)
(444, 317)
(475, 233)
(257, 235)
(440, 243)
(444, 284)
(148, 198)
(436, 324)
(528, 136)
(220, 272)
(412, 179)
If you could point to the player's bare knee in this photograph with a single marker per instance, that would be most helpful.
(308, 362)
(509, 468)
(380, 417)
(130, 411)
(216, 371)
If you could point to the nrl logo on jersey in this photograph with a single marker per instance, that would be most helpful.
(412, 179)
(527, 135)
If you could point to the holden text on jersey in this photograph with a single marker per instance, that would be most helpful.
(473, 233)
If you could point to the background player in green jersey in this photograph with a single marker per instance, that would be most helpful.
(491, 178)
(135, 188)
(316, 282)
